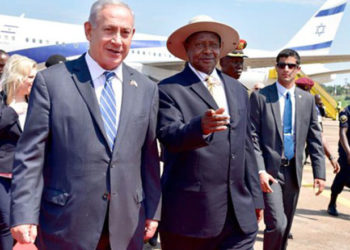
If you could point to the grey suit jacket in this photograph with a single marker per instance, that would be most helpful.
(268, 131)
(64, 171)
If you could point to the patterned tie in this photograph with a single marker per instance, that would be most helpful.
(108, 109)
(211, 82)
(287, 128)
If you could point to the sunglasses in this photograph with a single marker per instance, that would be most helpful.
(290, 65)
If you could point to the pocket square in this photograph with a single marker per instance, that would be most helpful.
(133, 83)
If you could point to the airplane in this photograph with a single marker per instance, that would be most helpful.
(38, 39)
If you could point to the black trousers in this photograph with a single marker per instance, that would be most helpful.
(230, 238)
(6, 240)
(342, 178)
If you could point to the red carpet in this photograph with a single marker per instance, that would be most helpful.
(24, 247)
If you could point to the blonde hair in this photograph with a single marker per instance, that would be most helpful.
(16, 71)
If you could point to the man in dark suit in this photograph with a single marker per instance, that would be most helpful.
(284, 118)
(86, 170)
(211, 193)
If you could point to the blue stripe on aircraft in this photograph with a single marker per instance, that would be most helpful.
(314, 46)
(40, 54)
(331, 11)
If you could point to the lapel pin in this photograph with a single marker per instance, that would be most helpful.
(133, 83)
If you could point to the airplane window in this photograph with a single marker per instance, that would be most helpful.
(33, 40)
(57, 43)
(40, 41)
(138, 52)
(154, 53)
(143, 53)
(160, 54)
(13, 38)
(47, 41)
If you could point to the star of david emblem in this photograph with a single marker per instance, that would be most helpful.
(320, 29)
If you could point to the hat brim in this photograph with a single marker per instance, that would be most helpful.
(229, 37)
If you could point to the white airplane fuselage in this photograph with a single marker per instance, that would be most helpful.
(39, 39)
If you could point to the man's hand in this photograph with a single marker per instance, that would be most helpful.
(259, 214)
(150, 229)
(214, 120)
(320, 185)
(335, 165)
(265, 180)
(25, 233)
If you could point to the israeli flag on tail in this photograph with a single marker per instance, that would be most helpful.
(317, 35)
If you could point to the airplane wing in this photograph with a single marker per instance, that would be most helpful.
(263, 62)
(331, 72)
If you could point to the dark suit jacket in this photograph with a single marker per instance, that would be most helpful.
(268, 131)
(64, 169)
(10, 131)
(201, 176)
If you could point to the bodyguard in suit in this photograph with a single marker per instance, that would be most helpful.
(210, 182)
(284, 118)
(86, 171)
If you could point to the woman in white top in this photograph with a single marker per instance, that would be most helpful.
(16, 82)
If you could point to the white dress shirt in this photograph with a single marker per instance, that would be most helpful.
(219, 89)
(99, 79)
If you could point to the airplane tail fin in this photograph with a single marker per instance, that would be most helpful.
(317, 35)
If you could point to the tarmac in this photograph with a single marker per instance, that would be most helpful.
(313, 228)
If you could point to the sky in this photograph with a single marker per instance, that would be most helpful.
(264, 24)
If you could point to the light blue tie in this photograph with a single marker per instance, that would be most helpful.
(287, 128)
(108, 109)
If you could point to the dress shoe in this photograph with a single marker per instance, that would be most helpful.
(332, 210)
(153, 241)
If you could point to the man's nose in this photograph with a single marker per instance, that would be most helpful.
(117, 38)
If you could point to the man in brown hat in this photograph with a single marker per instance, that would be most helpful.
(232, 63)
(210, 182)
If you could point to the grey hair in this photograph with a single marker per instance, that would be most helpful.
(100, 4)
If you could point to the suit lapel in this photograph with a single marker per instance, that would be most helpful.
(82, 80)
(127, 106)
(198, 87)
(275, 106)
(299, 104)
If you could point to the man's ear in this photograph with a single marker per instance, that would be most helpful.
(88, 28)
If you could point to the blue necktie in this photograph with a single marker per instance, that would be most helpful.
(108, 109)
(287, 128)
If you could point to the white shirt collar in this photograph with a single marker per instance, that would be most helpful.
(203, 76)
(283, 91)
(96, 70)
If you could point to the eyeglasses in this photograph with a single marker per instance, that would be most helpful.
(290, 65)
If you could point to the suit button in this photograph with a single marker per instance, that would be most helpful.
(105, 196)
(233, 156)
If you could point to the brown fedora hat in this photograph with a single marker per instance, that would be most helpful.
(229, 36)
